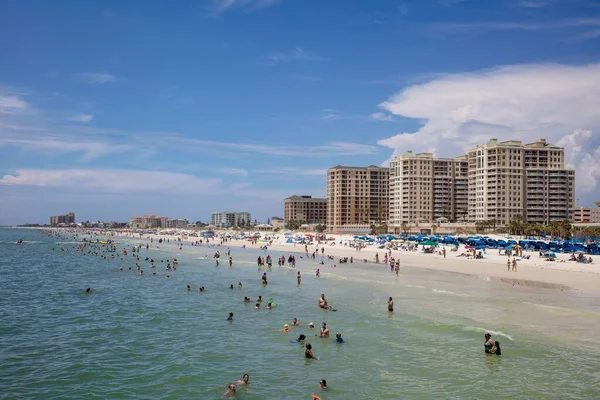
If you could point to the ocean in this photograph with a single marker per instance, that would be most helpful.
(147, 337)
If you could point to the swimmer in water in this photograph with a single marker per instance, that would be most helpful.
(264, 278)
(338, 338)
(318, 273)
(301, 338)
(269, 306)
(323, 303)
(390, 305)
(230, 390)
(308, 352)
(230, 318)
(286, 328)
(245, 380)
(324, 331)
(257, 306)
(311, 325)
(491, 346)
(231, 287)
(259, 299)
(239, 285)
(88, 290)
(295, 322)
(189, 288)
(323, 384)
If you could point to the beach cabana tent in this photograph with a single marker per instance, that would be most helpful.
(427, 243)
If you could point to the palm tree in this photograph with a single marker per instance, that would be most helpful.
(404, 227)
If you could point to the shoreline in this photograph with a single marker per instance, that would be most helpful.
(533, 272)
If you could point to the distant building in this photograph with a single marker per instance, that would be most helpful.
(305, 209)
(154, 221)
(357, 197)
(66, 219)
(228, 219)
(176, 223)
(587, 214)
(277, 222)
(151, 221)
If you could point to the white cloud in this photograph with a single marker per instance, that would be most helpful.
(97, 78)
(81, 118)
(235, 171)
(526, 102)
(296, 54)
(382, 116)
(10, 104)
(113, 181)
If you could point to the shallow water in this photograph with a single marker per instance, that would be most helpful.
(147, 337)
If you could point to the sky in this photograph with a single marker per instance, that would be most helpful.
(119, 108)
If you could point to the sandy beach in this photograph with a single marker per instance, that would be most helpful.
(532, 272)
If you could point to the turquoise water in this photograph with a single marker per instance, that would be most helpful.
(147, 337)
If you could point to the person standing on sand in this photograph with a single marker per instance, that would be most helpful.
(444, 252)
(397, 267)
(299, 278)
(514, 264)
(508, 264)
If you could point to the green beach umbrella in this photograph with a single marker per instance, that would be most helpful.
(428, 243)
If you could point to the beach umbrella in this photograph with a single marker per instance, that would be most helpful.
(427, 243)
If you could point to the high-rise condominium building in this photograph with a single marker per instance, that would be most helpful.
(228, 219)
(305, 209)
(357, 196)
(427, 189)
(508, 179)
(66, 219)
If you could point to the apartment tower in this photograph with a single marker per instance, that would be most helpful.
(305, 209)
(427, 189)
(357, 197)
(508, 178)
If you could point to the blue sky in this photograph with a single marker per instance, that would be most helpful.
(118, 108)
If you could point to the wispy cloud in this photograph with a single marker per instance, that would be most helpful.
(235, 171)
(52, 144)
(333, 149)
(588, 35)
(81, 118)
(292, 171)
(382, 117)
(97, 78)
(296, 54)
(113, 180)
(530, 25)
(221, 6)
(534, 4)
(10, 104)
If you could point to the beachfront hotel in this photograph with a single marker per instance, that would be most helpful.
(509, 178)
(66, 219)
(357, 197)
(153, 221)
(426, 189)
(305, 209)
(584, 215)
(228, 219)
